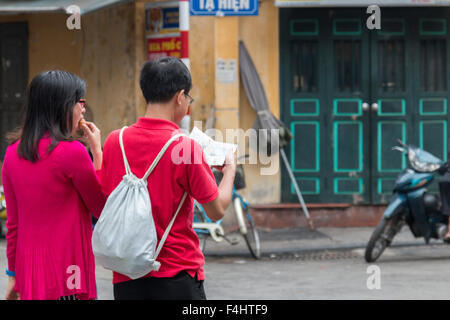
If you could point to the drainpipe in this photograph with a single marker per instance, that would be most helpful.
(184, 32)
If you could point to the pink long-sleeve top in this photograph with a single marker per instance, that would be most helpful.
(49, 205)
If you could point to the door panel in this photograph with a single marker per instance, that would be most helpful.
(391, 101)
(431, 89)
(304, 78)
(347, 93)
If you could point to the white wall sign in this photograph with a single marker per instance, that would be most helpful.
(226, 70)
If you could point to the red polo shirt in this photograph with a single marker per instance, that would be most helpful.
(166, 185)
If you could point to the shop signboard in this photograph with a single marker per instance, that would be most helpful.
(223, 7)
(163, 47)
(162, 30)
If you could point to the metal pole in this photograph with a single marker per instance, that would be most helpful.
(184, 33)
(297, 189)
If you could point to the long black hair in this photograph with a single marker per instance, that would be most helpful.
(51, 98)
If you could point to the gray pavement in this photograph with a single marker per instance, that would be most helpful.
(323, 264)
(412, 272)
(327, 264)
(300, 240)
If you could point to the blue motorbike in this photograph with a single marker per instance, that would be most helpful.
(411, 204)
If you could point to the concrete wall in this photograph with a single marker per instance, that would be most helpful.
(51, 44)
(260, 35)
(201, 54)
(107, 52)
(113, 52)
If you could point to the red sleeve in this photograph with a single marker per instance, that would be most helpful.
(202, 185)
(77, 166)
(105, 179)
(11, 220)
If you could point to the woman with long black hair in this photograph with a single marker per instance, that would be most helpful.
(51, 187)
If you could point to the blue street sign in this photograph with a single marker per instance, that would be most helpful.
(223, 7)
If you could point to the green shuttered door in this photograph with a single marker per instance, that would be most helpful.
(348, 93)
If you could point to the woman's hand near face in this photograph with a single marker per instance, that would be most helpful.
(93, 137)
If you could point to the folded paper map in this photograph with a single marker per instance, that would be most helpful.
(215, 151)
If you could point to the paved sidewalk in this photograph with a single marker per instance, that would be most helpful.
(302, 240)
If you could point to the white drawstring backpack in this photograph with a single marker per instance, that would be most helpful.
(124, 238)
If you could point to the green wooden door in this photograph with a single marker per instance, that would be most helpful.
(302, 55)
(409, 90)
(348, 128)
(324, 59)
(348, 93)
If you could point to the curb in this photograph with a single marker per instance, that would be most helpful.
(308, 250)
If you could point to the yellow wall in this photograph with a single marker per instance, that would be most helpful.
(260, 35)
(201, 55)
(51, 45)
(109, 51)
(113, 53)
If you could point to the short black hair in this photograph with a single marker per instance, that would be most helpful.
(161, 79)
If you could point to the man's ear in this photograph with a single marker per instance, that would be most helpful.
(179, 97)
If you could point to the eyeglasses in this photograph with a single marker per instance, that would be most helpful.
(191, 100)
(82, 102)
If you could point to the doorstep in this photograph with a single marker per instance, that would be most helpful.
(291, 215)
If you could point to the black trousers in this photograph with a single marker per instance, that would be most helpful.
(180, 287)
(444, 190)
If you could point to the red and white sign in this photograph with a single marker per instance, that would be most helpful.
(164, 47)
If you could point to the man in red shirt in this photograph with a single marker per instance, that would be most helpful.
(165, 84)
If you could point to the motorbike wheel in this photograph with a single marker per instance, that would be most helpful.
(382, 237)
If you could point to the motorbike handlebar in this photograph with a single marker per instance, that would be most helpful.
(402, 150)
(444, 168)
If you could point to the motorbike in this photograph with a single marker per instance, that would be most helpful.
(411, 203)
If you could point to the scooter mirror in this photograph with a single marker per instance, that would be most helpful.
(402, 143)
